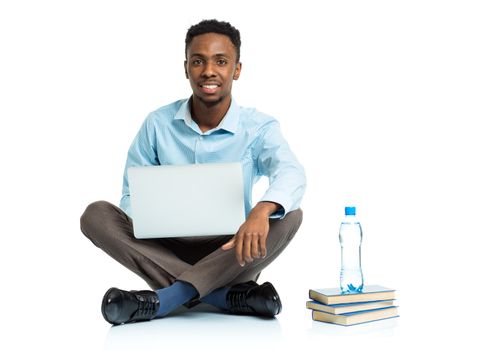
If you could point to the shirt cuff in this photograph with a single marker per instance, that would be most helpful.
(280, 198)
(125, 205)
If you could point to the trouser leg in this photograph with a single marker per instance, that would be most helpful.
(199, 261)
(110, 229)
(220, 268)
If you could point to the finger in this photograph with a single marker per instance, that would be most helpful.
(228, 245)
(263, 246)
(239, 249)
(247, 248)
(255, 251)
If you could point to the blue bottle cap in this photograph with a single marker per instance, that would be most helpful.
(350, 210)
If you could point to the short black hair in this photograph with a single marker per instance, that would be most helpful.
(214, 26)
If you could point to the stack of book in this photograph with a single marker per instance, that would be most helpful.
(372, 304)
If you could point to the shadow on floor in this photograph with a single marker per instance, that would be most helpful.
(204, 326)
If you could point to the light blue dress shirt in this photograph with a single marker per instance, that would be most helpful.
(169, 135)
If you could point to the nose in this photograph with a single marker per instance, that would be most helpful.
(208, 70)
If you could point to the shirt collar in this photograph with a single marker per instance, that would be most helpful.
(228, 123)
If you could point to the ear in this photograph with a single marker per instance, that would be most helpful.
(185, 66)
(237, 72)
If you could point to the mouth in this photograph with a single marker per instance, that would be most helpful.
(209, 88)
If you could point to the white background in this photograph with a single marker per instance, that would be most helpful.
(386, 104)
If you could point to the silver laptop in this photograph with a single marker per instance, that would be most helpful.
(186, 200)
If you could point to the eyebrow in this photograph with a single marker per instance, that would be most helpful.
(215, 55)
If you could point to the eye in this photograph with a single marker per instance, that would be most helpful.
(222, 62)
(197, 62)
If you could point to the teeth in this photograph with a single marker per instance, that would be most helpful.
(209, 86)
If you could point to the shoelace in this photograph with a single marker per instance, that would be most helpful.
(237, 301)
(146, 306)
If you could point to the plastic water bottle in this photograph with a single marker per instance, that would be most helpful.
(350, 236)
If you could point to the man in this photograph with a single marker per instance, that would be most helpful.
(208, 127)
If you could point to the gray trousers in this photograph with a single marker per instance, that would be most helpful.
(199, 261)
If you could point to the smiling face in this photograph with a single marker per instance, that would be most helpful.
(211, 67)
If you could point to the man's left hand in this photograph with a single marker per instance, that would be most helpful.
(251, 239)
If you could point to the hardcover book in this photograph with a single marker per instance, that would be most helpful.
(348, 307)
(358, 317)
(331, 296)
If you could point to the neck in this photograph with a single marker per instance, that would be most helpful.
(209, 115)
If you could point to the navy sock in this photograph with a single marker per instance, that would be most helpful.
(217, 298)
(170, 298)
